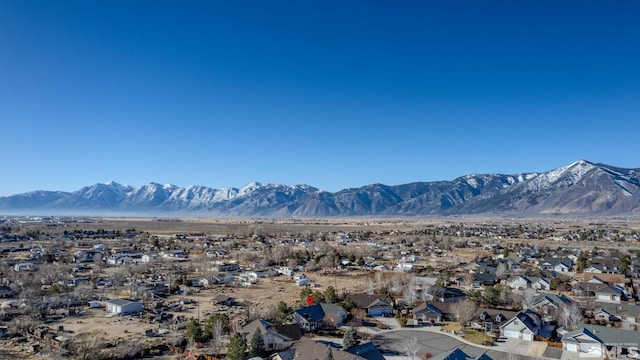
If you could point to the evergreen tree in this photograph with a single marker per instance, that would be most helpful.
(282, 313)
(256, 345)
(350, 338)
(237, 349)
(194, 331)
(330, 295)
(328, 355)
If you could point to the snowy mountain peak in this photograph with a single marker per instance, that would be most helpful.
(250, 187)
(579, 188)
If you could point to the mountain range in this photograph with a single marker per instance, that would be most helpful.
(582, 188)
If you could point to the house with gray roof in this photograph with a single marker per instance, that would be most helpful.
(602, 341)
(526, 325)
(458, 354)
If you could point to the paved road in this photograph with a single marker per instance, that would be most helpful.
(432, 342)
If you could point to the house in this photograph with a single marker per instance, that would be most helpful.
(309, 349)
(490, 319)
(518, 282)
(123, 306)
(25, 266)
(542, 284)
(232, 267)
(457, 354)
(199, 282)
(316, 316)
(273, 339)
(549, 304)
(604, 314)
(526, 325)
(367, 351)
(447, 294)
(556, 264)
(601, 292)
(610, 294)
(375, 305)
(601, 342)
(595, 268)
(147, 258)
(479, 280)
(224, 278)
(627, 314)
(611, 279)
(404, 267)
(427, 313)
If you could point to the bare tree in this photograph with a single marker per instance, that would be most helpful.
(331, 320)
(467, 279)
(410, 295)
(464, 311)
(570, 315)
(216, 336)
(129, 348)
(528, 297)
(86, 346)
(370, 286)
(409, 347)
(501, 271)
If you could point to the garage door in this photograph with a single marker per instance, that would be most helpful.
(511, 334)
(528, 337)
(377, 312)
(572, 347)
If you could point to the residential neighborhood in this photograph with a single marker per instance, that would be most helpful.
(335, 290)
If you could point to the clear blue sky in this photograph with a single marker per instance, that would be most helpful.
(333, 94)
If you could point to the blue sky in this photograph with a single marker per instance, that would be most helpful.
(333, 94)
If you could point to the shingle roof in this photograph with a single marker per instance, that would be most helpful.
(601, 334)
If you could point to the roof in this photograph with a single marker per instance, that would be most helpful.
(367, 351)
(309, 349)
(623, 309)
(121, 302)
(365, 301)
(608, 278)
(457, 354)
(317, 312)
(601, 335)
(426, 308)
(554, 299)
(292, 331)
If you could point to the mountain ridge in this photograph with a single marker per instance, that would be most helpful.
(580, 188)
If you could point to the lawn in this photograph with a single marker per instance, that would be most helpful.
(452, 326)
(479, 337)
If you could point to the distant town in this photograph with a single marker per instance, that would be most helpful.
(281, 289)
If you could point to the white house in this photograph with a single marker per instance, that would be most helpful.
(146, 258)
(123, 306)
(519, 282)
(541, 284)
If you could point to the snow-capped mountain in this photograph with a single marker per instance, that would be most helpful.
(581, 188)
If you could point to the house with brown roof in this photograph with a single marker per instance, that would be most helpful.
(375, 305)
